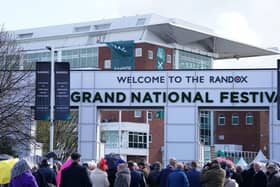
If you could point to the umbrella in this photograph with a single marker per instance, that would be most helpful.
(5, 170)
(5, 157)
(113, 160)
(50, 155)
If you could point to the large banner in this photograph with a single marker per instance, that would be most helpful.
(160, 58)
(122, 54)
(62, 91)
(43, 87)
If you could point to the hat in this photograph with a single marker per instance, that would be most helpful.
(271, 166)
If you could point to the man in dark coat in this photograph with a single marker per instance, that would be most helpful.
(259, 179)
(163, 176)
(47, 172)
(154, 174)
(178, 178)
(194, 175)
(247, 176)
(75, 175)
(137, 178)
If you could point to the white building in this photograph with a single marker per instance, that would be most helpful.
(185, 45)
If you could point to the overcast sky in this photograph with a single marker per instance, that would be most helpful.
(250, 21)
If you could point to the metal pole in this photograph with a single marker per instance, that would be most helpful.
(52, 103)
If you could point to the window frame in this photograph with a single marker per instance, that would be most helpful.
(221, 116)
(247, 116)
(234, 115)
(138, 52)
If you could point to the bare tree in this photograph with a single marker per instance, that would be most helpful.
(65, 136)
(16, 93)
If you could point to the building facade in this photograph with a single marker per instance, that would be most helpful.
(184, 45)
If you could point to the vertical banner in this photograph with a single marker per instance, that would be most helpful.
(278, 89)
(42, 93)
(62, 91)
(122, 54)
(160, 58)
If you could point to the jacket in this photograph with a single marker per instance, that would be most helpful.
(259, 180)
(178, 178)
(137, 179)
(213, 177)
(25, 179)
(99, 178)
(153, 178)
(273, 180)
(163, 176)
(194, 177)
(123, 178)
(230, 183)
(75, 176)
(48, 173)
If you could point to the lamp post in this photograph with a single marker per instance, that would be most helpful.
(52, 103)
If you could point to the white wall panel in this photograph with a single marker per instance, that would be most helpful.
(109, 79)
(88, 132)
(75, 79)
(276, 134)
(86, 150)
(87, 80)
(87, 114)
(184, 133)
(181, 115)
(181, 151)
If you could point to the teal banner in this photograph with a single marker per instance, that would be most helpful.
(160, 58)
(122, 54)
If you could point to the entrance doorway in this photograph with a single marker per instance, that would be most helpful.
(234, 132)
(133, 133)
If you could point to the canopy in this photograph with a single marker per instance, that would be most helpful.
(242, 163)
(260, 157)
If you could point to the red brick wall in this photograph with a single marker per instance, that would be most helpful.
(141, 63)
(247, 135)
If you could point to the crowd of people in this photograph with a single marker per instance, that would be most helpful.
(132, 174)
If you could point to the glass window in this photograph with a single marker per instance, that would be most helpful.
(111, 138)
(249, 119)
(138, 52)
(137, 140)
(168, 59)
(221, 119)
(150, 116)
(188, 60)
(235, 119)
(150, 55)
(137, 113)
(140, 21)
(107, 64)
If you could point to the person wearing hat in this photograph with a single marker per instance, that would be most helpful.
(273, 175)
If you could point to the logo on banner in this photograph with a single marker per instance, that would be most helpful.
(122, 54)
(160, 58)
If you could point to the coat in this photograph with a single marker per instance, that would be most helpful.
(273, 180)
(153, 178)
(123, 178)
(259, 180)
(48, 173)
(178, 178)
(213, 177)
(137, 179)
(25, 179)
(230, 183)
(75, 176)
(194, 177)
(163, 176)
(99, 178)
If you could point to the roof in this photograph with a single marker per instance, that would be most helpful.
(170, 30)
